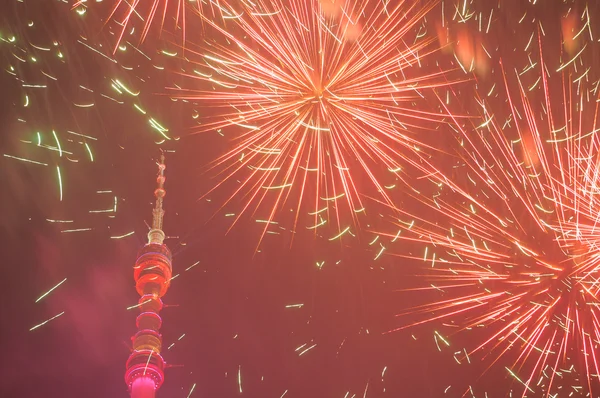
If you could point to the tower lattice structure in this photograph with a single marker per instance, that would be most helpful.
(152, 273)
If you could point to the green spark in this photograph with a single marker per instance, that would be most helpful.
(126, 89)
(60, 187)
(89, 152)
(57, 143)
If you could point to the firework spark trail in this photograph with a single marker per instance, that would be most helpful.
(150, 13)
(48, 64)
(37, 64)
(56, 122)
(314, 101)
(515, 242)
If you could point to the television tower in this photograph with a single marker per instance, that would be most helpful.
(145, 366)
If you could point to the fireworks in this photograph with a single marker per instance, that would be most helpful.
(512, 247)
(150, 13)
(314, 105)
(61, 137)
(317, 100)
(44, 136)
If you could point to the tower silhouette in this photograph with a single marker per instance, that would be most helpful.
(145, 366)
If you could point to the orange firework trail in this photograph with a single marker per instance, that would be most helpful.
(514, 249)
(150, 12)
(316, 95)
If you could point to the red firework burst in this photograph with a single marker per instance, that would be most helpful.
(515, 249)
(316, 96)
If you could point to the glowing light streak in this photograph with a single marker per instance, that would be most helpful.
(192, 266)
(51, 290)
(57, 143)
(25, 160)
(82, 135)
(306, 350)
(87, 147)
(123, 236)
(126, 89)
(158, 127)
(60, 185)
(46, 321)
(148, 361)
(139, 304)
(381, 250)
(49, 76)
(563, 66)
(519, 380)
(191, 390)
(76, 230)
(111, 210)
(342, 233)
(96, 51)
(112, 99)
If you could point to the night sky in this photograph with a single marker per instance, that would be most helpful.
(250, 307)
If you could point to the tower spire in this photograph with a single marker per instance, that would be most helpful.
(152, 272)
(156, 234)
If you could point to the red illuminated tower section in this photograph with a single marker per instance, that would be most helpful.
(152, 274)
